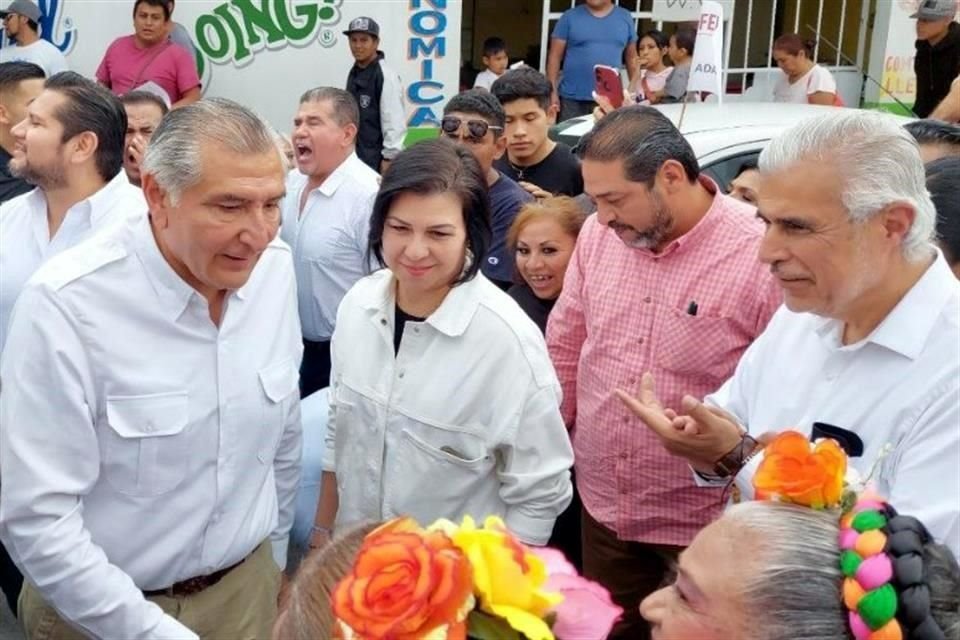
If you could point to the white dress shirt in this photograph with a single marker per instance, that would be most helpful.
(329, 240)
(899, 386)
(464, 420)
(25, 241)
(141, 445)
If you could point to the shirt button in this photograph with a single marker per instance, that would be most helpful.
(623, 491)
(632, 381)
(647, 299)
(400, 375)
(624, 455)
(640, 341)
(383, 321)
(626, 418)
(416, 329)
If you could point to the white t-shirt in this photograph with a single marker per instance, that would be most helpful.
(40, 53)
(485, 79)
(817, 79)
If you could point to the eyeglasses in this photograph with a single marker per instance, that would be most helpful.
(476, 129)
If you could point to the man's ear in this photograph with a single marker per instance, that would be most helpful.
(501, 146)
(552, 112)
(156, 197)
(84, 146)
(5, 116)
(897, 220)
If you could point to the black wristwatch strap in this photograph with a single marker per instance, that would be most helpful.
(735, 459)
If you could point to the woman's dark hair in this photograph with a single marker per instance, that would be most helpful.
(686, 38)
(435, 167)
(793, 44)
(943, 183)
(659, 37)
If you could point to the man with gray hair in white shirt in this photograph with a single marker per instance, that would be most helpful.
(326, 219)
(150, 440)
(866, 349)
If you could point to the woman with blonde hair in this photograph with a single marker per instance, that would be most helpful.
(542, 238)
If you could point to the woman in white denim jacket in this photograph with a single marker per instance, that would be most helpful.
(443, 400)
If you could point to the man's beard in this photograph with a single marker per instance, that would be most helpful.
(651, 237)
(47, 178)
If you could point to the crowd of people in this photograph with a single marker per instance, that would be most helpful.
(224, 350)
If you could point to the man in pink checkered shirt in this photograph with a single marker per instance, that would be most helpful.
(664, 278)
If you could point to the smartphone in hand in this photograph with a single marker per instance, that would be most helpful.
(607, 84)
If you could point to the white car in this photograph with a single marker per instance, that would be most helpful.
(723, 137)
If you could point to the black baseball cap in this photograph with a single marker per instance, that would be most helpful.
(363, 25)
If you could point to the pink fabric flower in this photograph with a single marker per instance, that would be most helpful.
(587, 612)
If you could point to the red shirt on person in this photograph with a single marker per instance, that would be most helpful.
(624, 311)
(125, 66)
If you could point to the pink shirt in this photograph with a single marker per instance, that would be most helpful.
(125, 66)
(624, 311)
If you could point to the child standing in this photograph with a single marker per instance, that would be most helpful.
(681, 53)
(495, 60)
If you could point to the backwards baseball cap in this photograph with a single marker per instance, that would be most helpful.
(26, 8)
(935, 10)
(363, 25)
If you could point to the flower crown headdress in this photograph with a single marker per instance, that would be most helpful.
(884, 588)
(450, 582)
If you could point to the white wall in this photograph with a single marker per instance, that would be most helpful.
(270, 77)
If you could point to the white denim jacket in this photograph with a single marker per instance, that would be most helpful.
(464, 420)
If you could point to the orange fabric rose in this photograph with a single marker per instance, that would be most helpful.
(793, 471)
(406, 583)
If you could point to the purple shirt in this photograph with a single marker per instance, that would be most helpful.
(125, 66)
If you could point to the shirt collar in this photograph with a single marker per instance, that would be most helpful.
(451, 318)
(329, 186)
(702, 230)
(908, 326)
(99, 204)
(173, 291)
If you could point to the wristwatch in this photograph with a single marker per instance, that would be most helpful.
(735, 459)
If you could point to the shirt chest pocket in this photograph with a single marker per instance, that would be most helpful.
(144, 449)
(436, 471)
(279, 384)
(700, 347)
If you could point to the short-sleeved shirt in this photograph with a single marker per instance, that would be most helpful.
(590, 41)
(675, 87)
(41, 53)
(558, 173)
(125, 66)
(813, 81)
(506, 198)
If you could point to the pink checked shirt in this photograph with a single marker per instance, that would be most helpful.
(624, 311)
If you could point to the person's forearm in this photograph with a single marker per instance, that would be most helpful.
(553, 70)
(329, 501)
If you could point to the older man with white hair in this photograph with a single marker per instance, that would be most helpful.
(150, 446)
(867, 347)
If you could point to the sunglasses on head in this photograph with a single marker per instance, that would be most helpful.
(476, 129)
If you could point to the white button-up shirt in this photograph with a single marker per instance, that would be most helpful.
(140, 445)
(25, 241)
(899, 386)
(329, 239)
(464, 420)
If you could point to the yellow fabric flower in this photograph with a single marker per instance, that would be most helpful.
(508, 579)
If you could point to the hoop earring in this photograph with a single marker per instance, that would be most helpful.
(468, 259)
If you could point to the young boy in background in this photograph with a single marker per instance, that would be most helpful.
(540, 165)
(495, 60)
